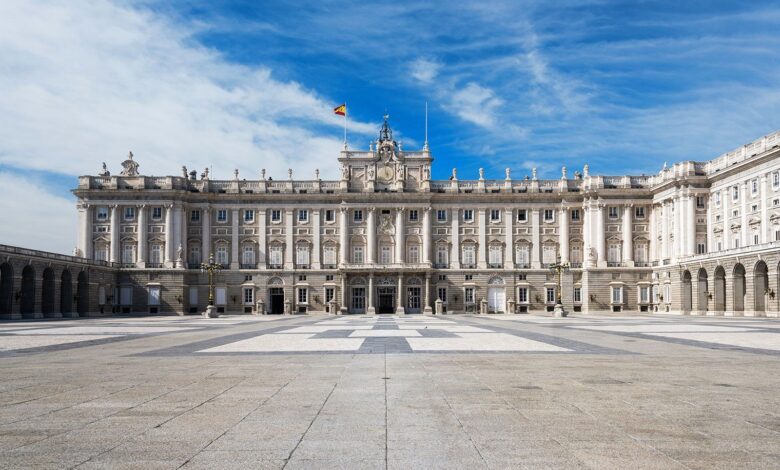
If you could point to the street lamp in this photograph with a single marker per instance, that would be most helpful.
(211, 268)
(559, 268)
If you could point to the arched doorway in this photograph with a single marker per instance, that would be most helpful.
(702, 291)
(739, 288)
(496, 295)
(82, 293)
(687, 292)
(27, 302)
(6, 289)
(47, 292)
(720, 289)
(66, 293)
(760, 286)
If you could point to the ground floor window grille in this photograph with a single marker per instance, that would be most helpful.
(522, 295)
(303, 295)
(154, 295)
(644, 294)
(329, 294)
(550, 294)
(617, 295)
(358, 298)
(578, 294)
(249, 295)
(443, 294)
(469, 295)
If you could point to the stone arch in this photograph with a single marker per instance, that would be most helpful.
(82, 293)
(275, 281)
(719, 288)
(760, 286)
(6, 289)
(687, 292)
(66, 292)
(27, 301)
(496, 281)
(738, 286)
(47, 292)
(702, 291)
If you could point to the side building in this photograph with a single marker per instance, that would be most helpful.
(696, 238)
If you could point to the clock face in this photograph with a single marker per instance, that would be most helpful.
(385, 174)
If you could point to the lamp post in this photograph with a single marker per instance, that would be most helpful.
(211, 268)
(559, 268)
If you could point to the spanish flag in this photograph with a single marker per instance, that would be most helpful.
(341, 110)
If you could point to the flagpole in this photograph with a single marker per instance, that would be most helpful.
(345, 125)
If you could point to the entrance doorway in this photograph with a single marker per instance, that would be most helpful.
(277, 300)
(413, 300)
(386, 298)
(496, 299)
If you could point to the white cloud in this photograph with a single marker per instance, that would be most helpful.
(35, 218)
(475, 104)
(86, 81)
(425, 70)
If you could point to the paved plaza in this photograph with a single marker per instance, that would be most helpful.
(497, 391)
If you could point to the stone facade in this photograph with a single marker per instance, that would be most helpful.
(698, 237)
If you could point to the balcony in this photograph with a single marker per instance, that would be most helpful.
(154, 265)
(495, 265)
(642, 264)
(441, 265)
(328, 266)
(302, 266)
(193, 265)
(247, 266)
(575, 265)
(614, 264)
(275, 266)
(468, 266)
(522, 265)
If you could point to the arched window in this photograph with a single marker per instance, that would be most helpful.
(302, 252)
(221, 254)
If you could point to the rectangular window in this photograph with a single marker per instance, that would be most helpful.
(700, 202)
(248, 256)
(302, 277)
(358, 298)
(578, 294)
(102, 213)
(195, 216)
(469, 277)
(522, 215)
(329, 277)
(442, 253)
(575, 215)
(576, 254)
(640, 252)
(155, 255)
(276, 215)
(549, 254)
(468, 215)
(735, 193)
(613, 253)
(522, 295)
(617, 295)
(413, 215)
(550, 294)
(549, 215)
(357, 215)
(700, 249)
(275, 257)
(303, 215)
(754, 186)
(495, 214)
(249, 295)
(128, 253)
(222, 255)
(386, 255)
(329, 255)
(441, 215)
(101, 253)
(644, 295)
(468, 255)
(193, 297)
(303, 295)
(755, 239)
(613, 212)
(221, 295)
(129, 213)
(717, 199)
(414, 254)
(357, 254)
(639, 212)
(330, 293)
(523, 255)
(222, 215)
(330, 216)
(154, 295)
(302, 255)
(494, 255)
(442, 291)
(469, 295)
(442, 277)
(249, 215)
(776, 179)
(194, 255)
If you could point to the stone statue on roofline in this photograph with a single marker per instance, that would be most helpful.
(129, 166)
(104, 171)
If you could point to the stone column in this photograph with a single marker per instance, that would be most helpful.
(536, 240)
(169, 239)
(317, 248)
(563, 233)
(85, 230)
(628, 245)
(343, 237)
(587, 235)
(177, 235)
(142, 232)
(426, 244)
(455, 239)
(509, 246)
(206, 235)
(234, 253)
(600, 237)
(766, 232)
(677, 228)
(343, 307)
(399, 309)
(289, 249)
(690, 234)
(664, 231)
(183, 235)
(371, 236)
(710, 246)
(725, 197)
(427, 294)
(262, 238)
(743, 212)
(652, 229)
(400, 239)
(482, 237)
(114, 256)
(370, 310)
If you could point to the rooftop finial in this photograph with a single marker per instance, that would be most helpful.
(425, 145)
(385, 134)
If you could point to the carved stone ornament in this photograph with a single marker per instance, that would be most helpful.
(129, 166)
(385, 174)
(386, 224)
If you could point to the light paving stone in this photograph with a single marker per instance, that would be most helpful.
(755, 340)
(481, 342)
(16, 342)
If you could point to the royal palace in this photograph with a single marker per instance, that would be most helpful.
(700, 238)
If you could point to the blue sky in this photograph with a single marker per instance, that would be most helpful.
(623, 86)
